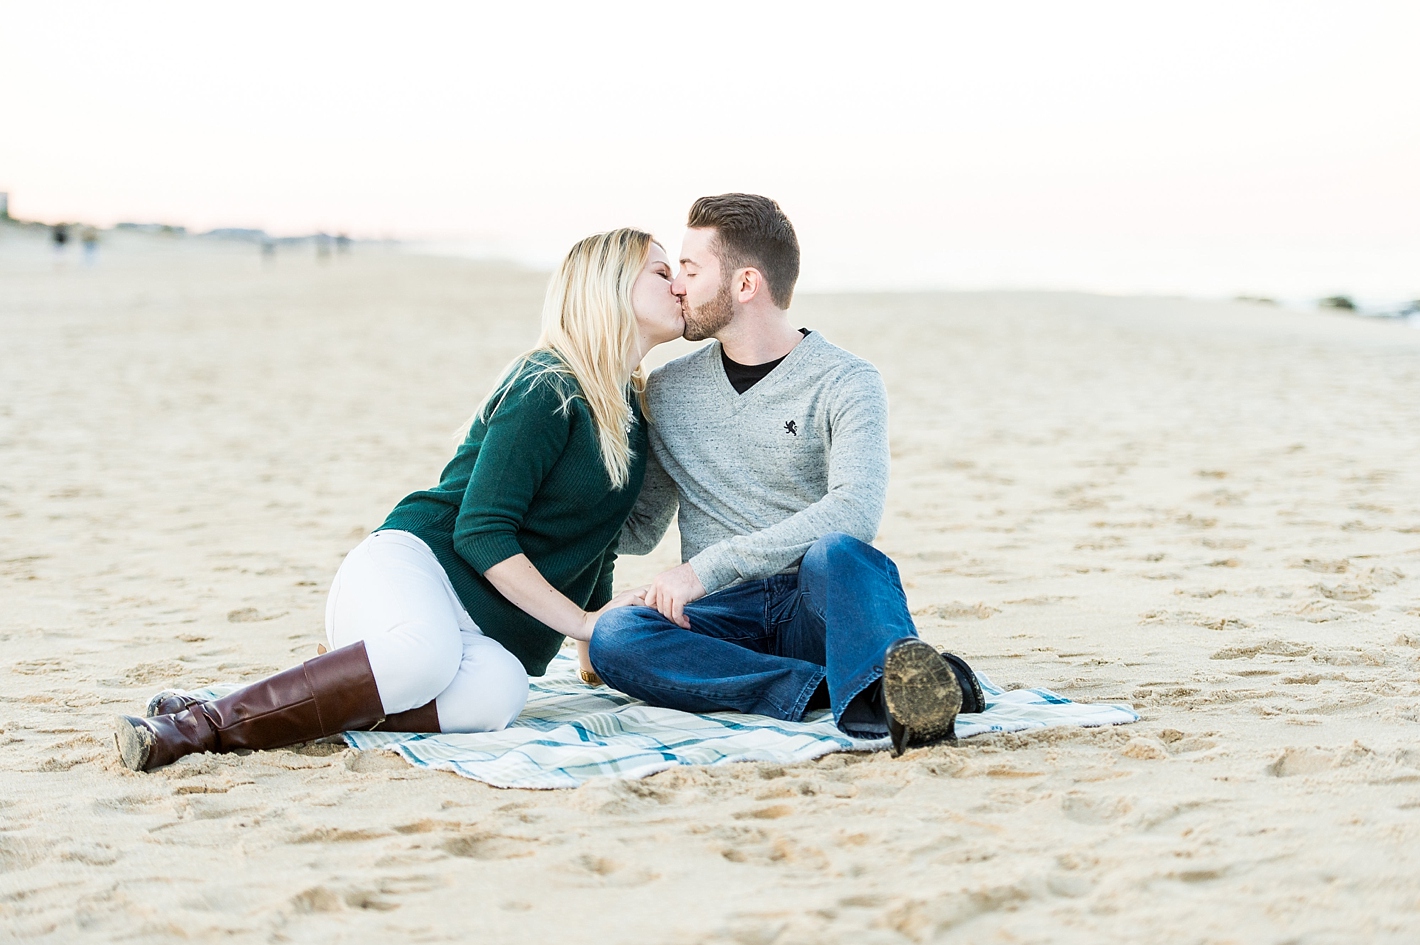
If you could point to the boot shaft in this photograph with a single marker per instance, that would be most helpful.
(332, 693)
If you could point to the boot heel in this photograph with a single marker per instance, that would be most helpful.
(134, 741)
(901, 735)
(921, 693)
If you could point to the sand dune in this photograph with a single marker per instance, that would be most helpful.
(1210, 511)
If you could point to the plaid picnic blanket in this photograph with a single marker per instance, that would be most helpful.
(570, 732)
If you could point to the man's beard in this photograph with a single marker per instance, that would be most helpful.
(703, 322)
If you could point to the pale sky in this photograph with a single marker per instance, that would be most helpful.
(1200, 148)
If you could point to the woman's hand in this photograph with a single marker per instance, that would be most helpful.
(634, 597)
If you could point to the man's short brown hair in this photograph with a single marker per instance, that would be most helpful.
(752, 231)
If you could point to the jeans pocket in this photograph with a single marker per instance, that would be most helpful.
(782, 600)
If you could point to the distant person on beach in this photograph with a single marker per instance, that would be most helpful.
(90, 240)
(437, 619)
(61, 237)
(773, 445)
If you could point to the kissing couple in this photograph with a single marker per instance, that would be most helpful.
(770, 444)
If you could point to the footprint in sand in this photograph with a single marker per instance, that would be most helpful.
(319, 899)
(1301, 761)
(1270, 648)
(590, 870)
(40, 667)
(17, 853)
(488, 846)
(1094, 808)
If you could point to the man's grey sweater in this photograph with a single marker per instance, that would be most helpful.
(760, 476)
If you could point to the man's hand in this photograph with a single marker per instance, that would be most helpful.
(672, 590)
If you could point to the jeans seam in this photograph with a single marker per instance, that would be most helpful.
(693, 692)
(758, 637)
(801, 705)
(838, 713)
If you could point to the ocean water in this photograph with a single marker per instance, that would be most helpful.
(1381, 276)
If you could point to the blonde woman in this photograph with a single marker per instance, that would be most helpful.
(436, 620)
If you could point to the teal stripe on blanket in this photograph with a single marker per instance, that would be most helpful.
(570, 733)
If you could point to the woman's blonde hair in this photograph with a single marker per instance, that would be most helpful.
(589, 324)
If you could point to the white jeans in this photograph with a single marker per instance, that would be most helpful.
(392, 593)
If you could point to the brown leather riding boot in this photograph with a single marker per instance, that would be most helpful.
(333, 693)
(423, 719)
(170, 702)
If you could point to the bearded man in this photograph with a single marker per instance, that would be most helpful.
(773, 445)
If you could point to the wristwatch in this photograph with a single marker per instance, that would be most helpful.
(590, 677)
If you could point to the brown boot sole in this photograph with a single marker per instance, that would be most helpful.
(921, 691)
(135, 742)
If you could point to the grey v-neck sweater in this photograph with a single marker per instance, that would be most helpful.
(758, 477)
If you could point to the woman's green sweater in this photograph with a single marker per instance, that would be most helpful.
(528, 478)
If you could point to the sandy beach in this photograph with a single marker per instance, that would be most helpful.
(1209, 511)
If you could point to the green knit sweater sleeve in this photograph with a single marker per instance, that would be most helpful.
(602, 592)
(525, 435)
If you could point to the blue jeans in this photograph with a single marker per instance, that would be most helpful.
(766, 646)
